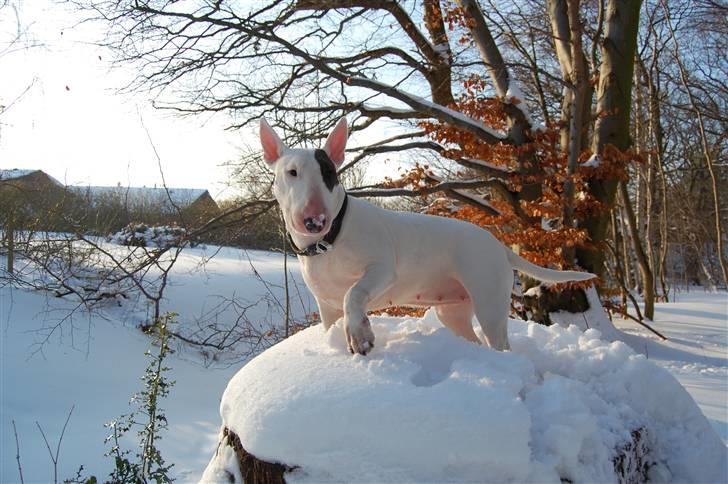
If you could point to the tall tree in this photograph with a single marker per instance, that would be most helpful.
(425, 64)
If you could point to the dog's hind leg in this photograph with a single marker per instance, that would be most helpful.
(493, 318)
(491, 299)
(459, 319)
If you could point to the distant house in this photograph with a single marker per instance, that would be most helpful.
(30, 198)
(100, 208)
(167, 200)
(33, 180)
(120, 205)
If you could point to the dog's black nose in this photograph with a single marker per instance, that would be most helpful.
(313, 225)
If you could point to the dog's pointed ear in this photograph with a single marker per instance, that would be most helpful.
(336, 142)
(273, 147)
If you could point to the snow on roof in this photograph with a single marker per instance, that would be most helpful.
(426, 405)
(181, 197)
(15, 173)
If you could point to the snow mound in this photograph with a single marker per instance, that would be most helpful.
(142, 235)
(427, 406)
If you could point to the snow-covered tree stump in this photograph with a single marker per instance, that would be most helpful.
(631, 464)
(247, 466)
(562, 406)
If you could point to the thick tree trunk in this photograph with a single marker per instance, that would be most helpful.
(613, 114)
(578, 112)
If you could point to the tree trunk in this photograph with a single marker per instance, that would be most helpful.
(706, 149)
(648, 281)
(10, 234)
(618, 266)
(613, 114)
(579, 108)
(657, 164)
(626, 254)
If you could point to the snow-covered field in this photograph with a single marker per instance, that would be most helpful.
(93, 363)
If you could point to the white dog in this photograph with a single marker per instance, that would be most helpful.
(357, 257)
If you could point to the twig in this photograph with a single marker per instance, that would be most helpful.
(54, 458)
(641, 323)
(285, 279)
(17, 454)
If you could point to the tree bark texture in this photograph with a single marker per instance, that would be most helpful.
(613, 114)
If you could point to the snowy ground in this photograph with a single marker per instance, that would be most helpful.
(94, 363)
(696, 325)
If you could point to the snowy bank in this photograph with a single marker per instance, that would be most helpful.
(428, 406)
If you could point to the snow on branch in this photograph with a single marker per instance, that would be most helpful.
(409, 192)
(450, 116)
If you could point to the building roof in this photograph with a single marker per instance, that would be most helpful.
(181, 197)
(15, 173)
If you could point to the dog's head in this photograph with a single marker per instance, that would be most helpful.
(306, 185)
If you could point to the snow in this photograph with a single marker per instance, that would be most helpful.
(15, 173)
(696, 352)
(593, 161)
(181, 197)
(141, 235)
(444, 50)
(488, 165)
(478, 199)
(94, 362)
(429, 406)
(592, 318)
(514, 92)
(416, 101)
(387, 109)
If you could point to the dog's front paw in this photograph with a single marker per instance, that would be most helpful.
(359, 336)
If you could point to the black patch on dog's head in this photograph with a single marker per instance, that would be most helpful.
(328, 169)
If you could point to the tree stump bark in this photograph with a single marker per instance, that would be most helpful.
(254, 470)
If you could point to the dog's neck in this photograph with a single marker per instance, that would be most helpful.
(304, 240)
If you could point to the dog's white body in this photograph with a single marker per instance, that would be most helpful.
(382, 258)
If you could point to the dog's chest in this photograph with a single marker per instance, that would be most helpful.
(329, 276)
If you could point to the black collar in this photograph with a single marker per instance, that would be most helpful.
(327, 242)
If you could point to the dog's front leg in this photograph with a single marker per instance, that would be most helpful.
(376, 280)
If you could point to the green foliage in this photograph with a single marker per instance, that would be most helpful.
(79, 479)
(147, 464)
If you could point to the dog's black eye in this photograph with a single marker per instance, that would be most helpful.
(293, 172)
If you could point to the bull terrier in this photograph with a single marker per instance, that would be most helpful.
(357, 257)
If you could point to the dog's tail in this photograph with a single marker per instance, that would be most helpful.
(543, 274)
